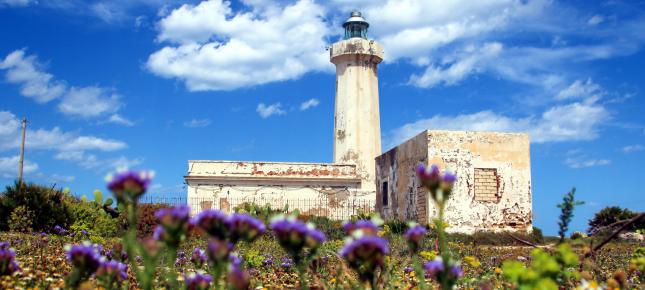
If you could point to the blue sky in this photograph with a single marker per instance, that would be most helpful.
(151, 84)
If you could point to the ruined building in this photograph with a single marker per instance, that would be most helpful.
(492, 191)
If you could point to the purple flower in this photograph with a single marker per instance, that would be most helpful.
(84, 258)
(456, 271)
(129, 185)
(366, 226)
(440, 186)
(174, 222)
(234, 260)
(112, 270)
(407, 269)
(218, 251)
(245, 227)
(84, 233)
(59, 230)
(8, 264)
(213, 222)
(198, 281)
(365, 255)
(268, 260)
(433, 267)
(198, 258)
(294, 235)
(414, 235)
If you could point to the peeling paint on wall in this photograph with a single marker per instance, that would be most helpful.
(461, 152)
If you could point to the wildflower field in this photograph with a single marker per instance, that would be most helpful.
(258, 248)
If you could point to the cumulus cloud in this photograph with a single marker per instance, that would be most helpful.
(197, 123)
(632, 148)
(27, 72)
(579, 89)
(89, 102)
(9, 166)
(577, 163)
(306, 105)
(596, 19)
(36, 83)
(211, 47)
(270, 110)
(120, 120)
(454, 69)
(16, 3)
(65, 145)
(569, 122)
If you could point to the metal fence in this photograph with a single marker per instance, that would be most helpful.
(339, 210)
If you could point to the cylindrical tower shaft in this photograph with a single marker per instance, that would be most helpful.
(357, 127)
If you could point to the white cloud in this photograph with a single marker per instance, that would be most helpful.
(579, 89)
(28, 73)
(633, 148)
(35, 83)
(16, 3)
(270, 110)
(89, 102)
(120, 120)
(66, 145)
(57, 178)
(570, 122)
(210, 47)
(456, 69)
(9, 166)
(306, 105)
(197, 123)
(576, 163)
(595, 20)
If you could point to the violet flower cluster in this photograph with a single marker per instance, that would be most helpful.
(86, 261)
(198, 281)
(439, 185)
(8, 264)
(128, 186)
(414, 235)
(366, 227)
(295, 236)
(224, 232)
(173, 225)
(198, 258)
(436, 269)
(365, 255)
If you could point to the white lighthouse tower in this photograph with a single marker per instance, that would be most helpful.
(357, 126)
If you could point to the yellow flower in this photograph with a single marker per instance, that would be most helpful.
(472, 261)
(333, 280)
(412, 274)
(498, 270)
(428, 255)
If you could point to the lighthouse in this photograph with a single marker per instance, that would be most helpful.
(357, 126)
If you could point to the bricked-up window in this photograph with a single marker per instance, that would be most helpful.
(486, 186)
(385, 193)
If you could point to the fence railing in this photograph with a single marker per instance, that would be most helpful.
(334, 209)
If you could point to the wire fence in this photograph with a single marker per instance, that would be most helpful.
(333, 209)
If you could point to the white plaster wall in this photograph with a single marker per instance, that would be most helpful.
(314, 188)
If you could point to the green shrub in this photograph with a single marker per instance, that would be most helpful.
(91, 217)
(333, 229)
(47, 205)
(613, 214)
(396, 226)
(21, 220)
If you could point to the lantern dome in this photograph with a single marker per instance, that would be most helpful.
(356, 26)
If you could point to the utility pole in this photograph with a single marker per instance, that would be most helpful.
(22, 152)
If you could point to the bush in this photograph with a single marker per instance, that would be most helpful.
(613, 214)
(21, 220)
(47, 205)
(90, 216)
(396, 226)
(333, 229)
